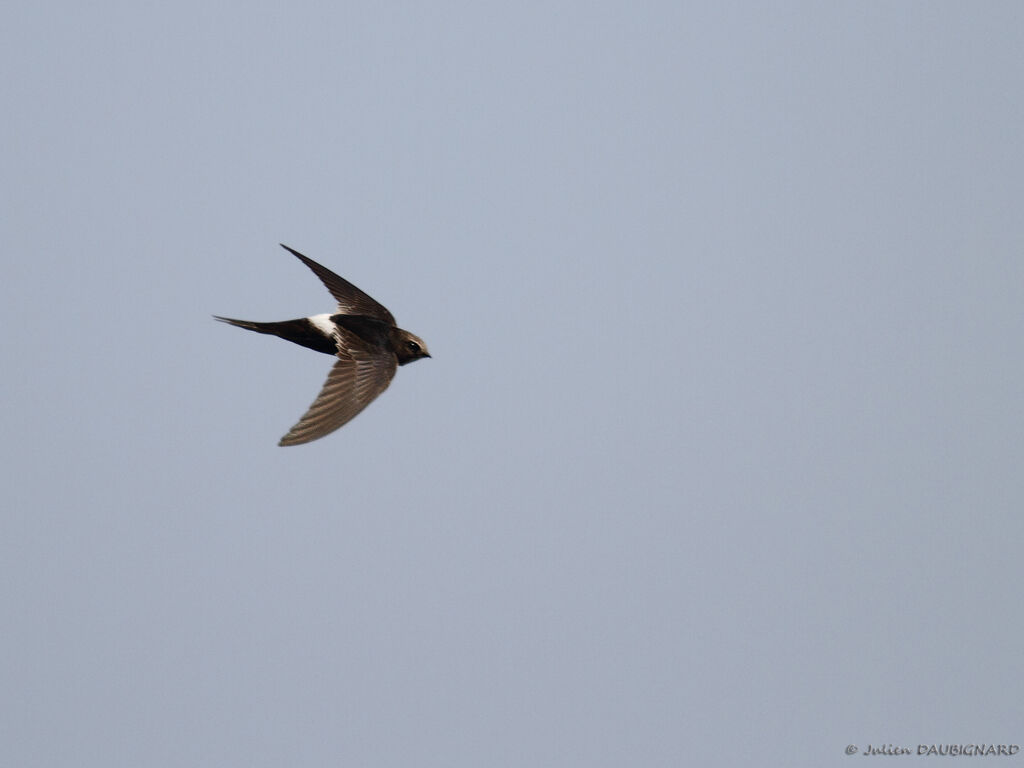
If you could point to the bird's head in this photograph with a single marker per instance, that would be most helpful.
(408, 346)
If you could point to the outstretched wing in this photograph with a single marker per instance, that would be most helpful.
(351, 300)
(353, 383)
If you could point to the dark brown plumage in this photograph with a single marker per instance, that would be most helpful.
(363, 336)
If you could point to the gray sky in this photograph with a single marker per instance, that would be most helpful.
(718, 459)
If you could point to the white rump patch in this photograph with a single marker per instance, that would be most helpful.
(323, 324)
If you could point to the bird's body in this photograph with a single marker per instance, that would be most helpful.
(363, 336)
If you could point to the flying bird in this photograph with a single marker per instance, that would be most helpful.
(363, 336)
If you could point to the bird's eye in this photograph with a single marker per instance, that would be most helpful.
(413, 347)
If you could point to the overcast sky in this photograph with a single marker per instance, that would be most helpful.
(718, 459)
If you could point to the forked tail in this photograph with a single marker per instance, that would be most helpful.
(301, 332)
